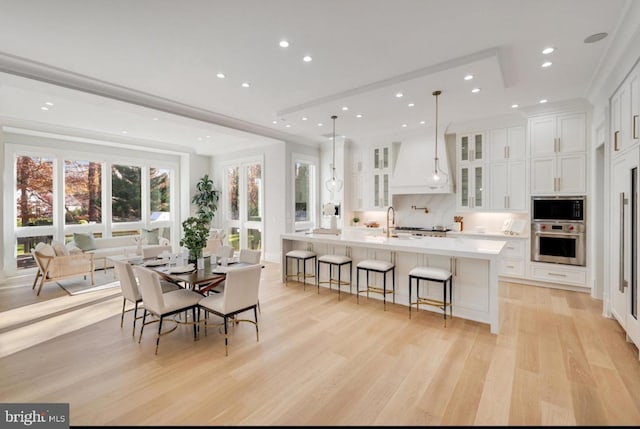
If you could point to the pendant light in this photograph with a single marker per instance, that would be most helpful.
(439, 177)
(333, 184)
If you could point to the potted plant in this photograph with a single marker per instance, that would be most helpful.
(196, 232)
(355, 220)
(206, 199)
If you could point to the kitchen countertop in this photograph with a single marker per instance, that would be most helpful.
(491, 235)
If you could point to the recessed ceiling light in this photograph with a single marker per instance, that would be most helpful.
(245, 84)
(404, 125)
(547, 64)
(220, 75)
(199, 139)
(411, 104)
(515, 106)
(548, 50)
(125, 132)
(474, 90)
(288, 125)
(544, 100)
(304, 118)
(208, 137)
(344, 137)
(468, 77)
(284, 44)
(595, 37)
(345, 108)
(44, 108)
(274, 122)
(155, 119)
(307, 58)
(359, 115)
(320, 124)
(422, 122)
(399, 95)
(48, 103)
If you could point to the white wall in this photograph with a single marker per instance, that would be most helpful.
(4, 180)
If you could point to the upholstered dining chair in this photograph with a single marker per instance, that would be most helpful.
(130, 291)
(240, 295)
(249, 256)
(225, 251)
(163, 305)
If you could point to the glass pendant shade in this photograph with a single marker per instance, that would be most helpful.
(333, 184)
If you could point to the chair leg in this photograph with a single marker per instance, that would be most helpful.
(159, 333)
(135, 318)
(226, 338)
(255, 315)
(41, 283)
(195, 326)
(124, 302)
(35, 281)
(144, 319)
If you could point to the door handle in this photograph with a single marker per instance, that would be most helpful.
(635, 126)
(615, 141)
(622, 282)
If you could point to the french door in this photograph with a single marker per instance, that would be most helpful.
(244, 204)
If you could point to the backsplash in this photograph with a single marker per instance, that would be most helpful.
(442, 208)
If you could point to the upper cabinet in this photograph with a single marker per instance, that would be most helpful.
(558, 154)
(371, 170)
(471, 148)
(507, 144)
(381, 174)
(471, 178)
(625, 108)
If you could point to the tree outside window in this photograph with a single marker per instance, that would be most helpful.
(82, 192)
(34, 191)
(126, 193)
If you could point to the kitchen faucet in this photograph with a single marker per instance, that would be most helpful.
(393, 218)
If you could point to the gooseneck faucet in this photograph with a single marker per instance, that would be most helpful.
(393, 219)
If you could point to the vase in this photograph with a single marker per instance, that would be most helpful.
(194, 254)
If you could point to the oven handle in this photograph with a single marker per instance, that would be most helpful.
(558, 234)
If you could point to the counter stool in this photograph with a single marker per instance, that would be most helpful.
(432, 274)
(300, 256)
(335, 261)
(376, 266)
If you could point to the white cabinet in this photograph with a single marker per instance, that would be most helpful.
(556, 273)
(380, 175)
(471, 180)
(512, 258)
(625, 109)
(557, 134)
(507, 169)
(371, 169)
(558, 154)
(468, 291)
(564, 174)
(508, 188)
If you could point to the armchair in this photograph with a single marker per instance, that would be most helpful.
(52, 267)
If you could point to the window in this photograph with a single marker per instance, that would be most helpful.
(304, 192)
(233, 193)
(34, 191)
(243, 204)
(126, 193)
(82, 192)
(159, 197)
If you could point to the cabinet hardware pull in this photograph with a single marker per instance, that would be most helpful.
(510, 266)
(511, 248)
(508, 201)
(505, 202)
(615, 141)
(508, 152)
(635, 127)
(505, 152)
(622, 282)
(557, 274)
(559, 184)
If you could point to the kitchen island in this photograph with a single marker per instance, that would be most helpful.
(474, 264)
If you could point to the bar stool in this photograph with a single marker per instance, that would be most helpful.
(335, 261)
(432, 274)
(300, 256)
(376, 266)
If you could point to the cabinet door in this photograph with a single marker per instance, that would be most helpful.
(499, 185)
(464, 149)
(615, 122)
(376, 190)
(634, 92)
(624, 139)
(542, 134)
(470, 287)
(620, 243)
(478, 147)
(571, 133)
(498, 145)
(478, 187)
(464, 194)
(543, 175)
(571, 174)
(516, 143)
(517, 196)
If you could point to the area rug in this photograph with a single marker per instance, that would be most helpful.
(79, 285)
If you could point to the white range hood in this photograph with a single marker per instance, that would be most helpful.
(413, 172)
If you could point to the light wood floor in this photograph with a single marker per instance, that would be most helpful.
(557, 361)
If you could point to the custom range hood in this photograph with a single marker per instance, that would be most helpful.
(415, 165)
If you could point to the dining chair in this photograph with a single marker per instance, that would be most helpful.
(225, 251)
(130, 291)
(162, 305)
(249, 256)
(240, 295)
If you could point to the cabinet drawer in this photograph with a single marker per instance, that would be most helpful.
(511, 267)
(559, 275)
(513, 249)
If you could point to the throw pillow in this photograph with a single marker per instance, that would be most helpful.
(45, 249)
(59, 248)
(150, 236)
(84, 241)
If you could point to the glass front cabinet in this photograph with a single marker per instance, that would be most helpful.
(471, 177)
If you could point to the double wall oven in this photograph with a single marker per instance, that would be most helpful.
(558, 230)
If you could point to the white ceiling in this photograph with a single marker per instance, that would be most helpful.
(167, 53)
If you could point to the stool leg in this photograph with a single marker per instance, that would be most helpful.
(384, 291)
(393, 280)
(339, 273)
(304, 274)
(409, 297)
(444, 306)
(357, 285)
(417, 294)
(318, 276)
(350, 276)
(367, 285)
(451, 296)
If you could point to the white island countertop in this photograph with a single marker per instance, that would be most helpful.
(448, 246)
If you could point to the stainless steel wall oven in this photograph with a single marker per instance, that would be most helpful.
(558, 230)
